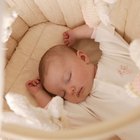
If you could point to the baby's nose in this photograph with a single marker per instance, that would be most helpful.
(72, 90)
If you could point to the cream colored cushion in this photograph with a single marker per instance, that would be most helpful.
(62, 12)
(11, 45)
(19, 28)
(119, 15)
(56, 11)
(125, 16)
(51, 10)
(132, 29)
(27, 10)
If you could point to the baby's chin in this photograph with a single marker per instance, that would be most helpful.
(83, 99)
(77, 101)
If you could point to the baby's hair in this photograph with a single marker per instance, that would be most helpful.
(48, 57)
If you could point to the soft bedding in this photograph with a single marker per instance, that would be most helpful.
(45, 29)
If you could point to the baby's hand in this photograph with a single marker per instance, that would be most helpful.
(34, 86)
(69, 38)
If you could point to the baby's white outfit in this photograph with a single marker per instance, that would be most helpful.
(108, 97)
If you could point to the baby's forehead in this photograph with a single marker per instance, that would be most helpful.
(54, 71)
(55, 63)
(58, 59)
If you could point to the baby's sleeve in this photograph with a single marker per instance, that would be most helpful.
(102, 32)
(110, 41)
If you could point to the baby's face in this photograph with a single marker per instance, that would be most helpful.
(71, 78)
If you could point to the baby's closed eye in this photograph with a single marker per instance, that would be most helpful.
(67, 78)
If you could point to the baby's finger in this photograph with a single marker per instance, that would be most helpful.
(28, 83)
(65, 35)
(35, 82)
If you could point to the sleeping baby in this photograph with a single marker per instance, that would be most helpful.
(69, 73)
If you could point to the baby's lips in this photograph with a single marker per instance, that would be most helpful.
(80, 91)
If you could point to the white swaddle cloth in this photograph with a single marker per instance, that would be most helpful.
(24, 113)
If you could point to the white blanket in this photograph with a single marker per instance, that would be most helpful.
(24, 113)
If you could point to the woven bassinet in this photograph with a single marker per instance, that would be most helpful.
(39, 25)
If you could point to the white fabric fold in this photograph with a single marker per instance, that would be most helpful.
(49, 119)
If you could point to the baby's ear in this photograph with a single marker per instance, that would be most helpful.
(83, 56)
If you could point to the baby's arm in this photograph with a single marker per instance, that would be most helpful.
(80, 32)
(35, 89)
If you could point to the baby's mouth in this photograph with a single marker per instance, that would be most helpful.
(80, 91)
